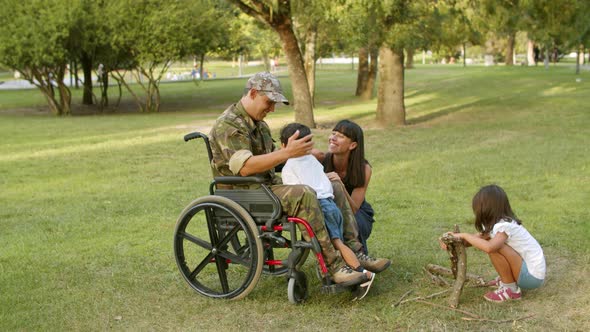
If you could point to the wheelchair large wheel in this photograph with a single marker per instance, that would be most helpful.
(205, 258)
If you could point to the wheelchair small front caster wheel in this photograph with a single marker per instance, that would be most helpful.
(297, 288)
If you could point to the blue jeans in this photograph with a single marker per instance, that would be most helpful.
(526, 280)
(364, 220)
(332, 218)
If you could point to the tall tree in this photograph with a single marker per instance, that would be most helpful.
(34, 39)
(207, 26)
(277, 15)
(358, 21)
(155, 34)
(400, 22)
(559, 23)
(455, 28)
(504, 18)
(313, 19)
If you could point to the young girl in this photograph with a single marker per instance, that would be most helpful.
(515, 254)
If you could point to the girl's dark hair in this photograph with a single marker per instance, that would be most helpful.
(355, 173)
(490, 205)
(290, 129)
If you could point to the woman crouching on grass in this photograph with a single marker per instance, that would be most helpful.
(515, 254)
(345, 162)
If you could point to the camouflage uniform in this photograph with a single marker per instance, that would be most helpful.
(351, 232)
(234, 138)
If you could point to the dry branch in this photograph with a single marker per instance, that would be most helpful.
(437, 279)
(420, 297)
(443, 271)
(402, 298)
(456, 250)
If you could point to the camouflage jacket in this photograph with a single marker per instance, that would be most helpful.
(234, 138)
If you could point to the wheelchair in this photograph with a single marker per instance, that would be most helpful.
(225, 241)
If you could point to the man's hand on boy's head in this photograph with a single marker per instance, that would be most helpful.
(298, 147)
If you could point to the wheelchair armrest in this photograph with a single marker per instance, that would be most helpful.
(239, 179)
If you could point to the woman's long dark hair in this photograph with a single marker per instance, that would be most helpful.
(355, 172)
(491, 204)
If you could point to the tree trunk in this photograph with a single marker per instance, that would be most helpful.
(510, 49)
(530, 53)
(65, 97)
(373, 69)
(409, 58)
(546, 60)
(301, 97)
(104, 97)
(266, 62)
(44, 78)
(363, 71)
(76, 78)
(240, 66)
(86, 63)
(309, 61)
(390, 103)
(464, 55)
(580, 52)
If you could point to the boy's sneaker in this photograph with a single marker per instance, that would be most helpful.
(363, 288)
(346, 276)
(494, 282)
(374, 265)
(503, 294)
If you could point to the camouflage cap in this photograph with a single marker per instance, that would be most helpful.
(269, 84)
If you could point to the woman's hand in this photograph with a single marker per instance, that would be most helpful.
(333, 176)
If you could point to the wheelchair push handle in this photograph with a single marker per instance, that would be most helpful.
(195, 135)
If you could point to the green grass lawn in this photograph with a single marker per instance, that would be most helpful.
(88, 205)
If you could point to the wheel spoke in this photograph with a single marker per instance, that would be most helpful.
(204, 244)
(228, 236)
(201, 266)
(221, 265)
(234, 258)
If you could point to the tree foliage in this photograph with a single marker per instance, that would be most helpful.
(34, 40)
(277, 15)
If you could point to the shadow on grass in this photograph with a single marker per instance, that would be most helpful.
(449, 110)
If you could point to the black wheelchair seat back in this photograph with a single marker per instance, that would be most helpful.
(256, 201)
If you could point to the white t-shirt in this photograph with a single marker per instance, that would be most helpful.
(308, 170)
(524, 244)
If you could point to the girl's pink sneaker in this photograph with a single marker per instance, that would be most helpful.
(503, 294)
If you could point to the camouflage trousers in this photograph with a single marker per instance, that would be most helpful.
(351, 230)
(301, 201)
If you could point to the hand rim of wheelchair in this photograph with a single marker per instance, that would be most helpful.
(218, 249)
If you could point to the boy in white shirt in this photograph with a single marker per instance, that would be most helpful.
(307, 170)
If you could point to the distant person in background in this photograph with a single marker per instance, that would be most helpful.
(273, 65)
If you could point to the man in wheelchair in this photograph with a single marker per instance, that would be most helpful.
(242, 145)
